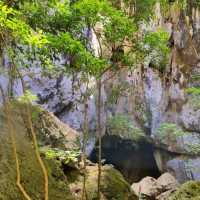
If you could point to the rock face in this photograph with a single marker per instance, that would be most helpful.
(57, 94)
(159, 189)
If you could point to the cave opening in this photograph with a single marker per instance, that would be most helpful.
(135, 160)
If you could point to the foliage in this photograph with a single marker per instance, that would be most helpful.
(194, 148)
(193, 90)
(189, 190)
(52, 28)
(27, 97)
(144, 9)
(169, 132)
(122, 126)
(117, 91)
(156, 49)
(194, 97)
(66, 157)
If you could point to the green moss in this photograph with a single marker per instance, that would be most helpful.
(194, 97)
(122, 126)
(61, 186)
(66, 157)
(188, 191)
(169, 132)
(194, 149)
(117, 91)
(193, 90)
(31, 175)
(113, 185)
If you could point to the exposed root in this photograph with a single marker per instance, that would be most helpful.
(13, 141)
(44, 170)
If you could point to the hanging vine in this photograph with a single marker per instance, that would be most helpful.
(13, 141)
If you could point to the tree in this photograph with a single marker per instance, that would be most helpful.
(44, 30)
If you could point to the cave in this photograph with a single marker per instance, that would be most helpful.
(135, 160)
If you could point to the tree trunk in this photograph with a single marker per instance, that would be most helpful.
(99, 137)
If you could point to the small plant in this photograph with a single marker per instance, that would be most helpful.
(194, 148)
(118, 91)
(66, 157)
(122, 126)
(193, 90)
(194, 97)
(27, 97)
(156, 49)
(169, 132)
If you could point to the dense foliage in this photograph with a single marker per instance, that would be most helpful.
(169, 132)
(122, 126)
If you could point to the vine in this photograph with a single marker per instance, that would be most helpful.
(13, 140)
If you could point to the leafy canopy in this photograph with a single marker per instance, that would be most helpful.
(43, 30)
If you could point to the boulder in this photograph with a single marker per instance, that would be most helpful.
(148, 186)
(167, 181)
(53, 132)
(113, 185)
(32, 178)
(165, 195)
(159, 189)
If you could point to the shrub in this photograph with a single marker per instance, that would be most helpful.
(188, 191)
(70, 158)
(169, 132)
(122, 126)
(194, 97)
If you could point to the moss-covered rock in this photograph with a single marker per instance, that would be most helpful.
(122, 126)
(49, 129)
(31, 175)
(113, 184)
(188, 191)
(65, 182)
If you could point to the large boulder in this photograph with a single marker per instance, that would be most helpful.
(32, 178)
(147, 186)
(113, 185)
(167, 181)
(159, 189)
(53, 132)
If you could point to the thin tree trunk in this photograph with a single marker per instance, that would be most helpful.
(85, 135)
(11, 81)
(2, 94)
(99, 137)
(42, 165)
